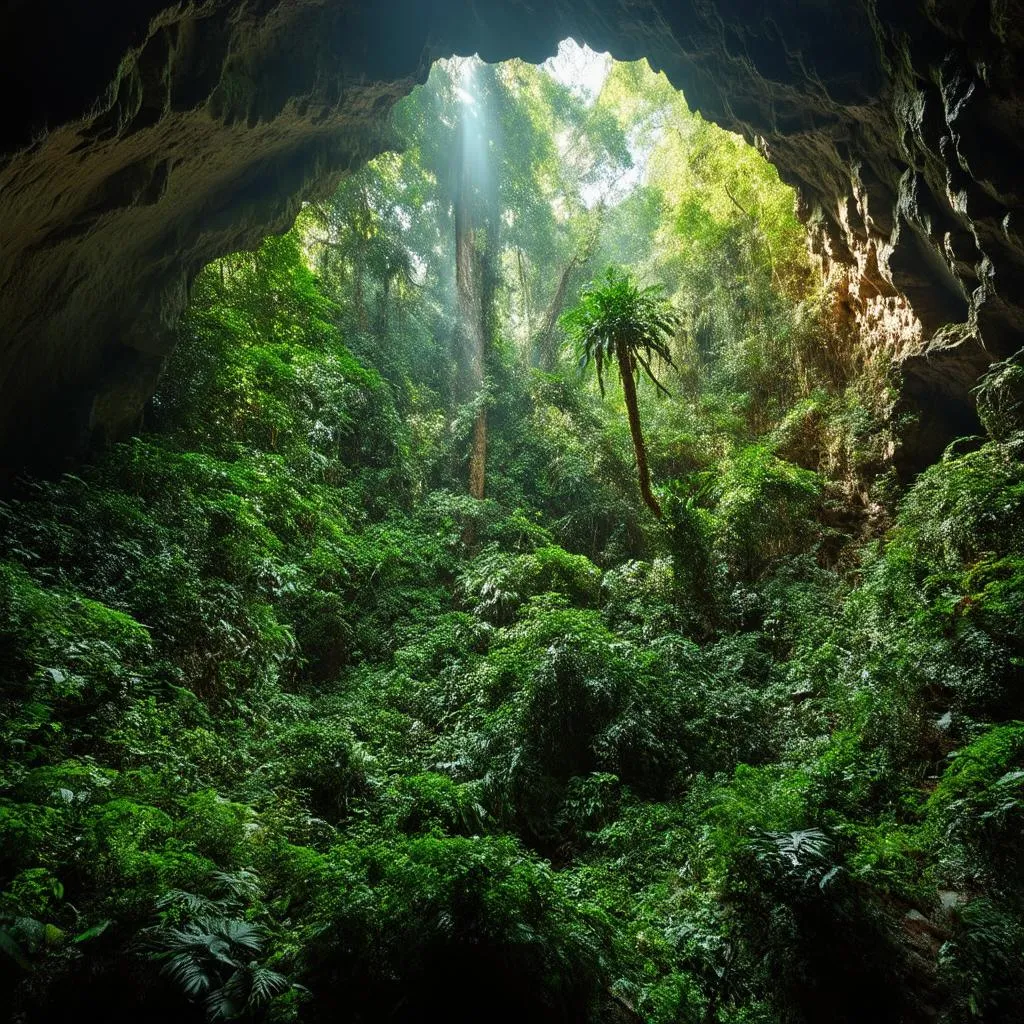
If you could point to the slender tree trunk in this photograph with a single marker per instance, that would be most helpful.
(524, 288)
(357, 293)
(546, 355)
(627, 373)
(478, 456)
(468, 271)
(382, 309)
(474, 294)
(362, 225)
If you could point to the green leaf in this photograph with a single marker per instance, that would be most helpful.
(92, 933)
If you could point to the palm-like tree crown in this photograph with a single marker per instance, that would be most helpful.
(616, 313)
(616, 320)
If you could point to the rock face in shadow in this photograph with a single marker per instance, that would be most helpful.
(145, 139)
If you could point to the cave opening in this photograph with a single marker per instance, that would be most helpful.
(122, 178)
(481, 536)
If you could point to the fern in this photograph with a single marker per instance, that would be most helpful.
(216, 958)
(804, 855)
(264, 984)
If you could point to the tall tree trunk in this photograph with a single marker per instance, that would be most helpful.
(474, 288)
(357, 292)
(362, 222)
(547, 358)
(627, 371)
(524, 288)
(468, 274)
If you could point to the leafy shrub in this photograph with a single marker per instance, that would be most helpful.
(404, 929)
(978, 807)
(206, 947)
(432, 802)
(820, 938)
(498, 584)
(564, 697)
(966, 505)
(764, 508)
(949, 578)
(981, 963)
(322, 761)
(63, 657)
(1000, 399)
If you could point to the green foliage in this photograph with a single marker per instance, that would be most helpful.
(981, 963)
(321, 760)
(563, 699)
(977, 807)
(951, 573)
(616, 314)
(64, 655)
(211, 953)
(498, 584)
(434, 803)
(967, 505)
(295, 729)
(1000, 399)
(456, 920)
(764, 508)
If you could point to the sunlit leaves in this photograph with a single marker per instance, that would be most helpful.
(615, 313)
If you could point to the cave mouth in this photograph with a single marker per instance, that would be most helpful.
(516, 599)
(127, 174)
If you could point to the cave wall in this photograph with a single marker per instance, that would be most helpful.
(144, 139)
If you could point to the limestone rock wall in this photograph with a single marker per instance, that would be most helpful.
(145, 139)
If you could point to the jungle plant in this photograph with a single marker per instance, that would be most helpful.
(616, 321)
(207, 947)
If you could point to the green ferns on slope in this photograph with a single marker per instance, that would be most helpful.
(278, 744)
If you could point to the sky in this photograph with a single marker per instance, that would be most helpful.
(579, 68)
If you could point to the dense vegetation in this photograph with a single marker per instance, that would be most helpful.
(364, 684)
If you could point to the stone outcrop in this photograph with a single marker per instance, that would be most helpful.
(144, 139)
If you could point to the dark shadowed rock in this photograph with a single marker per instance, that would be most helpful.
(143, 140)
